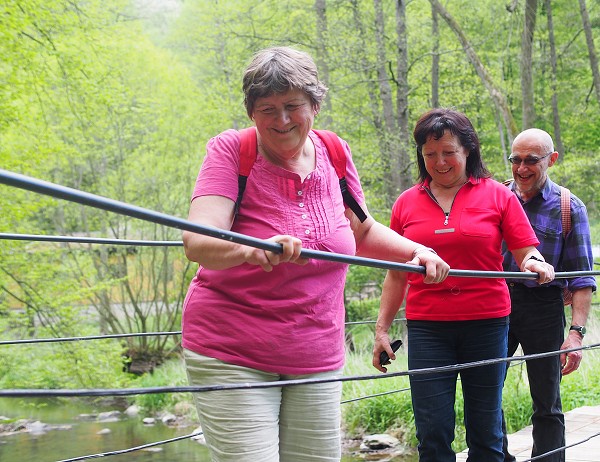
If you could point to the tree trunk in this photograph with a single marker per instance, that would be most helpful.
(389, 136)
(555, 114)
(402, 158)
(435, 60)
(366, 69)
(322, 58)
(385, 89)
(498, 98)
(591, 48)
(528, 105)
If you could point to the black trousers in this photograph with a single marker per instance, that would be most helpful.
(537, 323)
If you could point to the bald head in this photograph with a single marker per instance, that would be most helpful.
(532, 153)
(533, 137)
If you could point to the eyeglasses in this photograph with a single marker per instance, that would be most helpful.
(529, 160)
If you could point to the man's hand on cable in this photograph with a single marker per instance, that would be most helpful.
(292, 246)
(436, 269)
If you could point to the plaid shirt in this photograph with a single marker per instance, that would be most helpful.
(571, 254)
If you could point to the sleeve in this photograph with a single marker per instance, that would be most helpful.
(516, 228)
(396, 222)
(577, 250)
(218, 174)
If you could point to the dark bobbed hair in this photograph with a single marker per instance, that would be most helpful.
(434, 123)
(277, 70)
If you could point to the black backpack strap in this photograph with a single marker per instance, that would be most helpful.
(338, 159)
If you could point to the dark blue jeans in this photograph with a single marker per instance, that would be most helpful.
(537, 323)
(433, 344)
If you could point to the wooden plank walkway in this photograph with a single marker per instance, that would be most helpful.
(581, 423)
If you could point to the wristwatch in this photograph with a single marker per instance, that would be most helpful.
(533, 257)
(580, 329)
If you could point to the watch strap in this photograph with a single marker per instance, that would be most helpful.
(580, 329)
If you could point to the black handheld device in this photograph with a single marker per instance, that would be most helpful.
(384, 358)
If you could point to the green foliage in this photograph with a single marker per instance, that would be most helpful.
(378, 414)
(363, 282)
(71, 365)
(580, 172)
(171, 373)
(362, 310)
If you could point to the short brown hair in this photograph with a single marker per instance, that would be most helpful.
(279, 69)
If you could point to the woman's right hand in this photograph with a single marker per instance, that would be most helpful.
(292, 246)
(382, 343)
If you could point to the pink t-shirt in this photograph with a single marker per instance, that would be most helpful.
(484, 212)
(291, 320)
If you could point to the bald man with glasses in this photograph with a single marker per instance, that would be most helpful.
(537, 319)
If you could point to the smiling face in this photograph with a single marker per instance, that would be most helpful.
(283, 121)
(445, 160)
(530, 179)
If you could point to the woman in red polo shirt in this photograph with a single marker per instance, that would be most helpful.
(464, 215)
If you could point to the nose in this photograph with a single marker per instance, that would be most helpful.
(440, 159)
(284, 116)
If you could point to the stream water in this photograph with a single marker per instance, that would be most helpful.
(87, 437)
(83, 437)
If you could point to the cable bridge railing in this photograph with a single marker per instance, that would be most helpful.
(91, 200)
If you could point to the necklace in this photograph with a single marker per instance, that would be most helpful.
(445, 205)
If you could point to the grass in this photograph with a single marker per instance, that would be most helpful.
(171, 373)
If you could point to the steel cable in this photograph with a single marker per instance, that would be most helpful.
(133, 334)
(41, 393)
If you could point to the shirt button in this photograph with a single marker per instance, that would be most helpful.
(304, 216)
(301, 204)
(299, 193)
(307, 231)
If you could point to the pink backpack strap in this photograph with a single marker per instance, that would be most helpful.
(248, 152)
(338, 159)
(565, 215)
(565, 210)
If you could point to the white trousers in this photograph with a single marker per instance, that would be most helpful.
(299, 423)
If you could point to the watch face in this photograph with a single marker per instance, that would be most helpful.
(580, 329)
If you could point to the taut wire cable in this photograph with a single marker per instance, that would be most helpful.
(87, 240)
(132, 334)
(40, 393)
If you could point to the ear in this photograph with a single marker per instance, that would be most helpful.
(553, 158)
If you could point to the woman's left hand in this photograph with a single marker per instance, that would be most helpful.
(292, 246)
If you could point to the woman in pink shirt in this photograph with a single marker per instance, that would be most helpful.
(255, 316)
